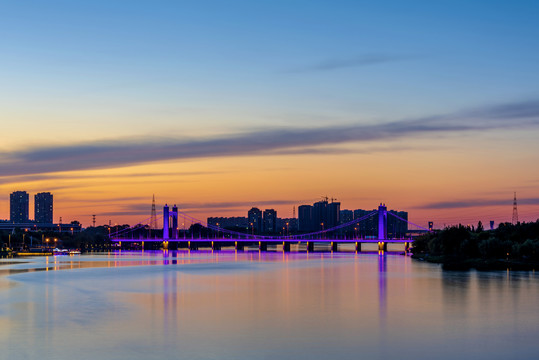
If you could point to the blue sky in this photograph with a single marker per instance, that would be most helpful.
(336, 58)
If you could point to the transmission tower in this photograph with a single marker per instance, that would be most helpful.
(514, 221)
(153, 218)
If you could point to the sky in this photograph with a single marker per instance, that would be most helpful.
(431, 107)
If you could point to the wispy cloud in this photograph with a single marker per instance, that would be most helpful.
(477, 203)
(130, 151)
(17, 179)
(349, 62)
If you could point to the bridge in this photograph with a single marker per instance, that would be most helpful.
(217, 237)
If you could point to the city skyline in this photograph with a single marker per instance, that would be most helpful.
(43, 213)
(429, 107)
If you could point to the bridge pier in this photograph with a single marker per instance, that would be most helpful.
(310, 246)
(192, 245)
(286, 246)
(215, 246)
(334, 246)
(358, 246)
(406, 247)
(382, 246)
(262, 246)
(239, 245)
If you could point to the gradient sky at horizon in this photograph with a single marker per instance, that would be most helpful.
(431, 107)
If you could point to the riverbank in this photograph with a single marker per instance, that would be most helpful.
(510, 246)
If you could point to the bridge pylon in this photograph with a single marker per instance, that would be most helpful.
(382, 222)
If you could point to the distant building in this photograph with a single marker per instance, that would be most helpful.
(74, 227)
(43, 208)
(270, 221)
(397, 228)
(287, 226)
(18, 207)
(233, 223)
(255, 220)
(367, 228)
(346, 216)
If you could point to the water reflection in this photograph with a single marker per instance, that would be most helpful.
(256, 305)
(382, 286)
(455, 287)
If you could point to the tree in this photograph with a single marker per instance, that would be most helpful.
(480, 227)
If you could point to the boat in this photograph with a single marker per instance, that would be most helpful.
(60, 251)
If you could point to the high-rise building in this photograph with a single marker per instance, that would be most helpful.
(18, 207)
(43, 208)
(270, 221)
(305, 218)
(255, 220)
(333, 214)
(320, 214)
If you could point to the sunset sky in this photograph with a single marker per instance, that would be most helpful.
(217, 106)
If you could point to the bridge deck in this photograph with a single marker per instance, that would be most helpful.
(273, 240)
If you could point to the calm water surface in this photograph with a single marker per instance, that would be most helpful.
(227, 305)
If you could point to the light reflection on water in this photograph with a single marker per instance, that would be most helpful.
(257, 305)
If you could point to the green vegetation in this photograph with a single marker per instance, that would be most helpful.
(461, 247)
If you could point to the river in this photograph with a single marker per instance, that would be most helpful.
(262, 305)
